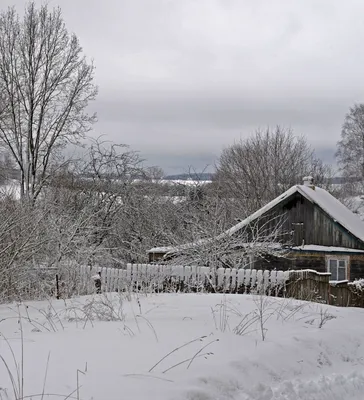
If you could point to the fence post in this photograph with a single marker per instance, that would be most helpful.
(57, 287)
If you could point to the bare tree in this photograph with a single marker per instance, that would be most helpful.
(6, 167)
(99, 208)
(256, 170)
(46, 84)
(350, 149)
(21, 241)
(237, 247)
(155, 173)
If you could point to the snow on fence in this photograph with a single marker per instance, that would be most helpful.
(153, 277)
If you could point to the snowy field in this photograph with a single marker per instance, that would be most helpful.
(181, 346)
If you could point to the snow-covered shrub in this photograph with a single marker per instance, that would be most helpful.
(357, 285)
(98, 308)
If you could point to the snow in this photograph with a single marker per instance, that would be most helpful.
(202, 242)
(335, 283)
(96, 277)
(358, 284)
(326, 249)
(185, 182)
(139, 351)
(162, 249)
(313, 271)
(168, 249)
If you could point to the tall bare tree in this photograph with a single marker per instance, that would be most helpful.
(46, 84)
(350, 149)
(256, 170)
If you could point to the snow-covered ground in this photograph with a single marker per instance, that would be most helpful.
(310, 351)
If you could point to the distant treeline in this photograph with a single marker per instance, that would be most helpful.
(204, 176)
(14, 173)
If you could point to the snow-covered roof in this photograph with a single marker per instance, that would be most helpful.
(168, 249)
(316, 195)
(332, 206)
(328, 203)
(326, 249)
(162, 249)
(261, 211)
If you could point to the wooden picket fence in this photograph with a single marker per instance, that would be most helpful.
(70, 280)
(314, 286)
(302, 285)
(167, 278)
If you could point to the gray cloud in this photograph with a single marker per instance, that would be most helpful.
(179, 80)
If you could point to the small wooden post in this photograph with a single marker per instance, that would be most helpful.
(57, 287)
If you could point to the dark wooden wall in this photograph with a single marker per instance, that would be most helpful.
(293, 261)
(356, 267)
(303, 221)
(155, 256)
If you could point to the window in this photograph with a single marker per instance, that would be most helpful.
(338, 269)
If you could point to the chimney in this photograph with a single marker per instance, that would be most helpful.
(308, 181)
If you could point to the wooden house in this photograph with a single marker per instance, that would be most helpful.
(317, 232)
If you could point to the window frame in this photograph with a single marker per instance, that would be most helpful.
(337, 259)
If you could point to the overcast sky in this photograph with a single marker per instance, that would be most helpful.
(181, 79)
